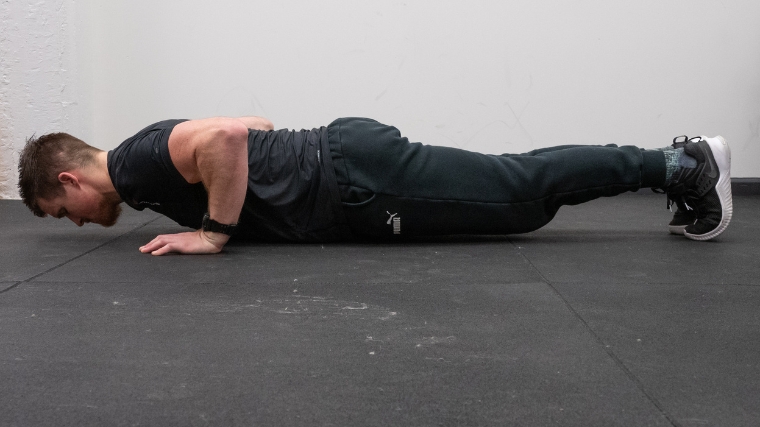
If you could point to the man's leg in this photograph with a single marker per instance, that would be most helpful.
(393, 188)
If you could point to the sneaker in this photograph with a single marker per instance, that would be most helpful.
(681, 219)
(705, 190)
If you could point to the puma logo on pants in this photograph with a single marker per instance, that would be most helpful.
(396, 222)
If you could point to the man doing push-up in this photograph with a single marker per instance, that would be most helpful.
(355, 178)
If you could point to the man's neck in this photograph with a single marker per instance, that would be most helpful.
(101, 179)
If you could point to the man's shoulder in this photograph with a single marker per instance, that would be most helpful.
(156, 127)
(141, 168)
(147, 139)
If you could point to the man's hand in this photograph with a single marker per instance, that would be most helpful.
(193, 242)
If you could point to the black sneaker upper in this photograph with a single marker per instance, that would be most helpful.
(693, 190)
(683, 215)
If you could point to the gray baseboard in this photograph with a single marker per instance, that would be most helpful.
(745, 186)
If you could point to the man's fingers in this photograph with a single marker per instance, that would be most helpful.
(163, 250)
(153, 244)
(158, 247)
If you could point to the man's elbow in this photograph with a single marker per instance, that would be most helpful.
(257, 123)
(234, 131)
(261, 123)
(266, 124)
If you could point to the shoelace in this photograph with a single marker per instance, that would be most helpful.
(671, 201)
(680, 144)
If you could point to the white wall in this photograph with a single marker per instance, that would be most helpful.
(38, 78)
(491, 76)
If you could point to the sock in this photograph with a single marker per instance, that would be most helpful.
(675, 158)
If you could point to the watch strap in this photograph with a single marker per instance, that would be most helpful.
(214, 227)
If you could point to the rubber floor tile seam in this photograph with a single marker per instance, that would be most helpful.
(607, 349)
(29, 279)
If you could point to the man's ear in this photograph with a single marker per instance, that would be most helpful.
(68, 178)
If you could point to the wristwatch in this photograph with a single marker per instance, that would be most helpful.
(215, 227)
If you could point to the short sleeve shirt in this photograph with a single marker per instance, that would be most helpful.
(292, 190)
(143, 174)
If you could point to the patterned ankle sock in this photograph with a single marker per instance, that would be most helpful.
(675, 158)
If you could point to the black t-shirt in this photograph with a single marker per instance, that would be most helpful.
(292, 191)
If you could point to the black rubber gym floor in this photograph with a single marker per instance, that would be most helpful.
(600, 319)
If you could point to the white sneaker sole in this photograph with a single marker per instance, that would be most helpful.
(722, 155)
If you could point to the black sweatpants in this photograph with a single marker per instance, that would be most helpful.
(392, 188)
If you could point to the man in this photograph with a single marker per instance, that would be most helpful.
(355, 178)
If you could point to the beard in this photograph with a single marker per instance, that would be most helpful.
(108, 213)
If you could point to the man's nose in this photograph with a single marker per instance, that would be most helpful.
(78, 221)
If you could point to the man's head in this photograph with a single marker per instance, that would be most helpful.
(58, 177)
